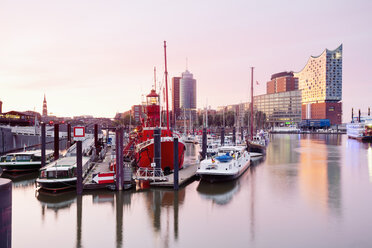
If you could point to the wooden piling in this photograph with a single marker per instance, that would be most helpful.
(43, 144)
(79, 169)
(56, 141)
(175, 161)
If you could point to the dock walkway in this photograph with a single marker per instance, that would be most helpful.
(100, 167)
(185, 175)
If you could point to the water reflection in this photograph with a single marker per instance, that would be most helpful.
(320, 174)
(369, 156)
(158, 201)
(219, 193)
(281, 149)
(23, 179)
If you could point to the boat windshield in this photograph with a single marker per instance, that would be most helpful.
(23, 157)
(9, 158)
(58, 174)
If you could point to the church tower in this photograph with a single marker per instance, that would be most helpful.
(45, 109)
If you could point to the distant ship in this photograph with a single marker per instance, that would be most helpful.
(360, 128)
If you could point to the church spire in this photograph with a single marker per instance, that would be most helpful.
(45, 108)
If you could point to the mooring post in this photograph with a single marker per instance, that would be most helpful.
(234, 136)
(68, 135)
(119, 158)
(204, 143)
(79, 214)
(157, 149)
(43, 144)
(79, 169)
(175, 213)
(56, 141)
(96, 138)
(222, 136)
(5, 212)
(175, 164)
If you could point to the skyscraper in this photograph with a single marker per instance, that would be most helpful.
(321, 84)
(175, 99)
(45, 109)
(188, 94)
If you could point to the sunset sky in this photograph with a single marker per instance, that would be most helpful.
(97, 57)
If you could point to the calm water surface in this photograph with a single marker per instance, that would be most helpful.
(310, 191)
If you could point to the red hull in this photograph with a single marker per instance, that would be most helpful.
(145, 156)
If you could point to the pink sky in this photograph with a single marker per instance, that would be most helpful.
(97, 57)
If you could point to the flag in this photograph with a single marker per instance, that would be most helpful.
(257, 83)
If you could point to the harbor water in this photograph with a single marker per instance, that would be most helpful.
(311, 190)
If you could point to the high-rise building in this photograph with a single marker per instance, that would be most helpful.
(321, 84)
(175, 99)
(188, 94)
(282, 82)
(137, 112)
(1, 107)
(45, 109)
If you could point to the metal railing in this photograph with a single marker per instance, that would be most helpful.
(154, 174)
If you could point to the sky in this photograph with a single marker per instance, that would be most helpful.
(97, 57)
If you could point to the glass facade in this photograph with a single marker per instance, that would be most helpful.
(282, 108)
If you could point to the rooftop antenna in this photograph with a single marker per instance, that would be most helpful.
(187, 64)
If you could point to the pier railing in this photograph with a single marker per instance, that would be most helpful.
(154, 174)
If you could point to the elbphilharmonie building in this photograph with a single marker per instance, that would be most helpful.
(320, 82)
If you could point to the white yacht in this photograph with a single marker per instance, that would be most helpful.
(230, 163)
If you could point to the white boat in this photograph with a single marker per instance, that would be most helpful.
(24, 161)
(190, 139)
(361, 130)
(230, 163)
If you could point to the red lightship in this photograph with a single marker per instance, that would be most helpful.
(141, 144)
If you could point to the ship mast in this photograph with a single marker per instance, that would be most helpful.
(155, 78)
(252, 103)
(166, 82)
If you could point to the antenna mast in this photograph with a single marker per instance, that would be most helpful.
(166, 82)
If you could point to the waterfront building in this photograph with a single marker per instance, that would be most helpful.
(321, 84)
(15, 118)
(188, 94)
(282, 108)
(1, 107)
(282, 82)
(175, 99)
(45, 108)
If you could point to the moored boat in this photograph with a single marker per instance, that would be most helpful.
(24, 161)
(230, 163)
(61, 174)
(360, 128)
